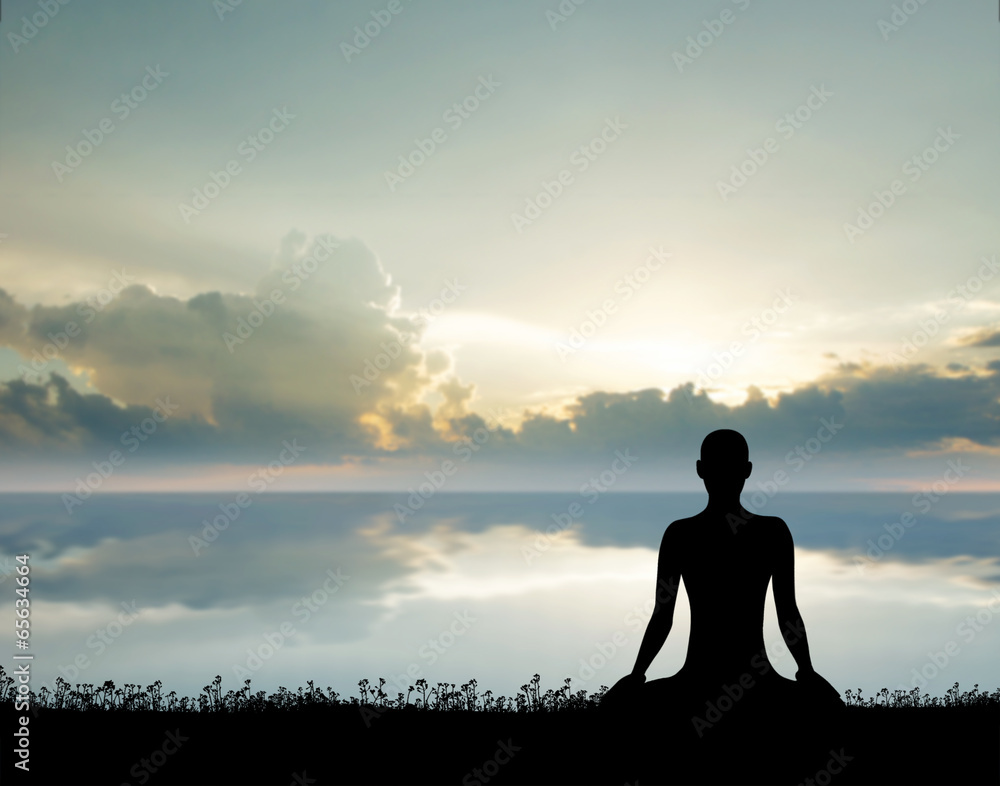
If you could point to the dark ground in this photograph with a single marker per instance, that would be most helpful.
(928, 745)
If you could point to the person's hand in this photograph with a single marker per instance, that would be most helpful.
(624, 691)
(632, 681)
(817, 685)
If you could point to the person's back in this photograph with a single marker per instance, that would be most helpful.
(726, 571)
(726, 556)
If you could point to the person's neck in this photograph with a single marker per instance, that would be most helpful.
(726, 504)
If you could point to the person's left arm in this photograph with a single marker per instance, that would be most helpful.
(668, 576)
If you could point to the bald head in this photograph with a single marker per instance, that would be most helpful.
(725, 447)
(724, 465)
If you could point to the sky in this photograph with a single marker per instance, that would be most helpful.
(384, 231)
(469, 264)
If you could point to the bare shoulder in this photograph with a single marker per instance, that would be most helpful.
(678, 528)
(676, 534)
(774, 526)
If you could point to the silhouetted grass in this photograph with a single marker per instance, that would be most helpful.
(439, 698)
(448, 733)
(442, 697)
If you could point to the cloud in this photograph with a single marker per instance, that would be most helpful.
(318, 351)
(987, 337)
(321, 352)
(276, 552)
(880, 408)
(280, 548)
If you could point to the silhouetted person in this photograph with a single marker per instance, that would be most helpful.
(726, 557)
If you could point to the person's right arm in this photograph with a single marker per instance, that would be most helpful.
(793, 629)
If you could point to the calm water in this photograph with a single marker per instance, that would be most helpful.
(283, 588)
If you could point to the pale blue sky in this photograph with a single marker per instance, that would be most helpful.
(879, 97)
